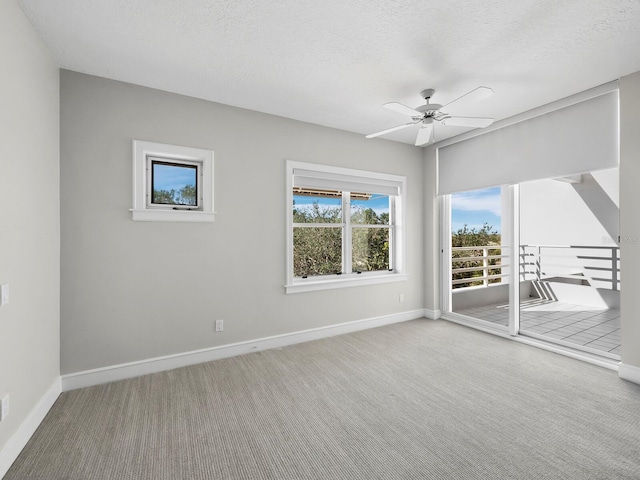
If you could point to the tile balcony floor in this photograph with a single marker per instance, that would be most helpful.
(590, 328)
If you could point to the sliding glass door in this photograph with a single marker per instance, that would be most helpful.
(538, 259)
(477, 262)
(570, 274)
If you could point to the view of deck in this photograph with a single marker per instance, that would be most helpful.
(569, 294)
(596, 330)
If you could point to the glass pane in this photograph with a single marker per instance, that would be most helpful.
(479, 269)
(313, 206)
(317, 251)
(173, 184)
(570, 261)
(370, 249)
(369, 209)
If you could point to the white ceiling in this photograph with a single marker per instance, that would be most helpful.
(335, 62)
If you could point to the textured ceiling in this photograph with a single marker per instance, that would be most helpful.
(335, 62)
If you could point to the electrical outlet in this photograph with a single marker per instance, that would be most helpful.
(4, 407)
(219, 325)
(401, 298)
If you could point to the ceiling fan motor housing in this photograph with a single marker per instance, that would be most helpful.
(431, 110)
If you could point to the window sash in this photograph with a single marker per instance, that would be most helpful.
(348, 227)
(360, 228)
(332, 257)
(151, 160)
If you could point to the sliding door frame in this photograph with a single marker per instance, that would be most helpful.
(514, 259)
(445, 253)
(512, 235)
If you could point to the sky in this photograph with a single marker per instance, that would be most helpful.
(168, 177)
(476, 208)
(472, 208)
(379, 203)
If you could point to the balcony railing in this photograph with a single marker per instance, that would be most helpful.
(483, 265)
(594, 265)
(478, 265)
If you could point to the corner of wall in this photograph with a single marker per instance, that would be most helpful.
(30, 162)
(431, 232)
(16, 443)
(629, 94)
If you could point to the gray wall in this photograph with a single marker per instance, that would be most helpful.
(630, 217)
(29, 218)
(432, 297)
(138, 290)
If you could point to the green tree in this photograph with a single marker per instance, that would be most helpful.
(164, 196)
(473, 237)
(318, 250)
(185, 196)
(370, 249)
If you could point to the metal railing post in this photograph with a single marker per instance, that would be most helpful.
(614, 268)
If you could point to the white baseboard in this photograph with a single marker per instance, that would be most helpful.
(432, 314)
(16, 443)
(112, 373)
(629, 372)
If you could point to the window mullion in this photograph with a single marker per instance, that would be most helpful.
(392, 233)
(346, 232)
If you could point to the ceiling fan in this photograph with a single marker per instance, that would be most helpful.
(425, 115)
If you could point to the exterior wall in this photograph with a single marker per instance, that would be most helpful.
(630, 219)
(543, 223)
(463, 298)
(29, 220)
(138, 290)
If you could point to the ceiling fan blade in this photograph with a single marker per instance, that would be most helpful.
(389, 130)
(403, 109)
(424, 135)
(475, 122)
(473, 96)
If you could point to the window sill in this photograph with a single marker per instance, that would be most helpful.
(171, 216)
(312, 285)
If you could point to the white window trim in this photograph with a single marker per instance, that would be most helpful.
(299, 285)
(144, 212)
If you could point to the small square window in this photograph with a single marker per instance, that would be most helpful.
(172, 183)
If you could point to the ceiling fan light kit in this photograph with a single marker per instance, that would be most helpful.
(425, 115)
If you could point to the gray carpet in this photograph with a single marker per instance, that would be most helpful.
(417, 400)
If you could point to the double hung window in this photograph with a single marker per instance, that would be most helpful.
(345, 227)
